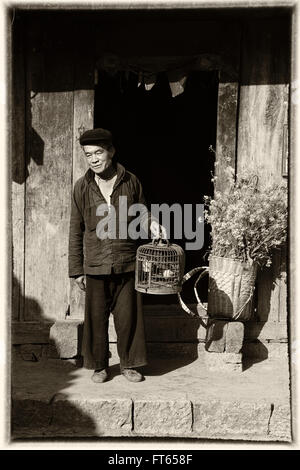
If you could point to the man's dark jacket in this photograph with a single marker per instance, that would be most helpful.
(89, 254)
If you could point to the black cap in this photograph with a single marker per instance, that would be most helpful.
(95, 137)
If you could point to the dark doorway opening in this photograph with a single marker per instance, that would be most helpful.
(166, 141)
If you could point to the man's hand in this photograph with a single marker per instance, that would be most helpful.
(158, 231)
(80, 281)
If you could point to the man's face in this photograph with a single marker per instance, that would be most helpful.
(98, 157)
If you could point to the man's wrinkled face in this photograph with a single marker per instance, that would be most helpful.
(99, 157)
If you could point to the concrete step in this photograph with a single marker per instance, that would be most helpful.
(180, 398)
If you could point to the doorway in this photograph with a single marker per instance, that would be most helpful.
(167, 143)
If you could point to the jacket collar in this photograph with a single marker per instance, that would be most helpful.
(90, 174)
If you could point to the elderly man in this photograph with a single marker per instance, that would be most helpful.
(104, 266)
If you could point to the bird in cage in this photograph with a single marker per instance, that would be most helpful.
(167, 273)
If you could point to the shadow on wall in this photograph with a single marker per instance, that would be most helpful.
(20, 172)
(267, 281)
(20, 304)
(26, 142)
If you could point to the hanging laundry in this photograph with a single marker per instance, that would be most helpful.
(149, 80)
(110, 63)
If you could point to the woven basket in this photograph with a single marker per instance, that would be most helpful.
(231, 288)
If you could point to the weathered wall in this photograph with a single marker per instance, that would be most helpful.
(53, 103)
(18, 174)
(263, 136)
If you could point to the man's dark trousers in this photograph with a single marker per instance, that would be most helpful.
(113, 293)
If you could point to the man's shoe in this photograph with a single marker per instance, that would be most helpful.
(132, 375)
(99, 376)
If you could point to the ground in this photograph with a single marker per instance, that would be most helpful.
(179, 397)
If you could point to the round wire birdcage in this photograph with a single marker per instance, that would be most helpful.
(159, 268)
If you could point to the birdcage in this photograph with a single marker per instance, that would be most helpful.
(159, 268)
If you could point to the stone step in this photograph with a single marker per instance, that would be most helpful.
(180, 398)
(167, 330)
(253, 350)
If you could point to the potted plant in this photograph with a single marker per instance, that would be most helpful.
(248, 224)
